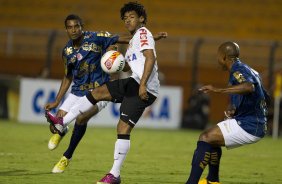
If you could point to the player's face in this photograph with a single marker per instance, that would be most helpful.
(132, 21)
(221, 60)
(74, 29)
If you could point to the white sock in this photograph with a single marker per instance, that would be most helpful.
(81, 106)
(121, 149)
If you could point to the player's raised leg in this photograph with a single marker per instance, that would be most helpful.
(83, 105)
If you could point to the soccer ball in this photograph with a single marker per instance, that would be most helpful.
(112, 62)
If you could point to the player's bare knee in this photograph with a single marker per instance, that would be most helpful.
(101, 93)
(123, 128)
(81, 120)
(205, 136)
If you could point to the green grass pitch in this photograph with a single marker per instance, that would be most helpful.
(155, 157)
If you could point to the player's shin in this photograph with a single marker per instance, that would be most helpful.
(121, 149)
(214, 164)
(77, 134)
(201, 158)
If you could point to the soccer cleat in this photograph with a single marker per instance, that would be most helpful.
(205, 181)
(56, 139)
(110, 179)
(61, 165)
(56, 121)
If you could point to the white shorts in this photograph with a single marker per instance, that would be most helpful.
(71, 100)
(235, 136)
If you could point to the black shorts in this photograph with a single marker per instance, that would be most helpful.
(126, 92)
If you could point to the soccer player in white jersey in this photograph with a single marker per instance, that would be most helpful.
(135, 93)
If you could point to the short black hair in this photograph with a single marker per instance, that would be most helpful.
(73, 17)
(134, 6)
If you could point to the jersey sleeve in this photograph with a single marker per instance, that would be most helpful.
(241, 75)
(145, 39)
(67, 66)
(106, 39)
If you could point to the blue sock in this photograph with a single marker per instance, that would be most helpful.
(77, 134)
(214, 164)
(201, 158)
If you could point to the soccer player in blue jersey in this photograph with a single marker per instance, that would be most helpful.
(81, 56)
(245, 121)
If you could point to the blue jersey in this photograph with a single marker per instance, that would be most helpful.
(251, 109)
(83, 64)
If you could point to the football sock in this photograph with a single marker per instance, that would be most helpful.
(122, 146)
(214, 164)
(200, 159)
(77, 134)
(81, 106)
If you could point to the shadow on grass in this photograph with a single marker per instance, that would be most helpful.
(21, 173)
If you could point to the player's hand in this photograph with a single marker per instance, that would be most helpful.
(207, 88)
(160, 35)
(229, 114)
(50, 106)
(112, 47)
(143, 92)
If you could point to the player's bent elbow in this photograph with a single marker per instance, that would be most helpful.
(248, 87)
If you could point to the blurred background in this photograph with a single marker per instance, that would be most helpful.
(32, 36)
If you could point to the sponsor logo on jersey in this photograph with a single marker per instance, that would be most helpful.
(104, 34)
(131, 57)
(79, 56)
(73, 59)
(239, 77)
(91, 47)
(68, 50)
(143, 37)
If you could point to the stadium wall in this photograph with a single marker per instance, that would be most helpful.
(165, 113)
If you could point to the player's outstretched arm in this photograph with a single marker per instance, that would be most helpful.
(243, 88)
(160, 35)
(124, 39)
(65, 84)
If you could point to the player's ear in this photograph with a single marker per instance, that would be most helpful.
(224, 57)
(141, 19)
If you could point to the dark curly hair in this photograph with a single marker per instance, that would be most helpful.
(73, 17)
(134, 6)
